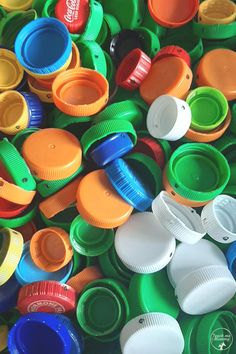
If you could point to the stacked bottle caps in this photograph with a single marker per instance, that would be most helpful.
(117, 176)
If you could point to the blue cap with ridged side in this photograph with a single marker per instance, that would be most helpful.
(129, 185)
(43, 46)
(231, 258)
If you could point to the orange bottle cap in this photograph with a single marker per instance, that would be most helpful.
(83, 278)
(178, 198)
(98, 202)
(217, 68)
(52, 153)
(210, 136)
(14, 193)
(174, 13)
(50, 249)
(44, 94)
(60, 200)
(80, 92)
(168, 76)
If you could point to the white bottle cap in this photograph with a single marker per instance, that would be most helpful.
(182, 221)
(205, 290)
(168, 118)
(152, 333)
(189, 258)
(143, 245)
(219, 219)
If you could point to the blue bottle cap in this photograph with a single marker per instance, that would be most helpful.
(113, 147)
(39, 333)
(35, 108)
(43, 46)
(231, 258)
(129, 185)
(27, 272)
(9, 294)
(77, 345)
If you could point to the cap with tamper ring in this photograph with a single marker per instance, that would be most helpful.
(231, 258)
(218, 219)
(183, 222)
(11, 71)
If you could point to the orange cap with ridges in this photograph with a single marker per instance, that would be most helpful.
(80, 92)
(168, 76)
(98, 202)
(52, 154)
(50, 249)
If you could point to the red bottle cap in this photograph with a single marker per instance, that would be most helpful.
(73, 13)
(133, 69)
(46, 296)
(151, 148)
(173, 50)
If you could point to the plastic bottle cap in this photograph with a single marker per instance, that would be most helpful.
(80, 92)
(16, 5)
(198, 171)
(129, 185)
(218, 219)
(43, 33)
(79, 281)
(231, 258)
(155, 294)
(27, 272)
(99, 312)
(44, 94)
(176, 14)
(217, 12)
(52, 153)
(205, 289)
(133, 69)
(11, 73)
(74, 14)
(174, 78)
(13, 112)
(209, 108)
(113, 147)
(183, 222)
(11, 248)
(89, 240)
(123, 43)
(189, 258)
(151, 332)
(35, 108)
(50, 249)
(61, 200)
(207, 137)
(95, 190)
(46, 296)
(168, 118)
(31, 329)
(172, 50)
(3, 334)
(215, 65)
(143, 245)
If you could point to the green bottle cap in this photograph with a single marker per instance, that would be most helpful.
(99, 311)
(226, 145)
(151, 43)
(189, 325)
(62, 219)
(38, 6)
(19, 139)
(152, 293)
(89, 240)
(198, 171)
(209, 108)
